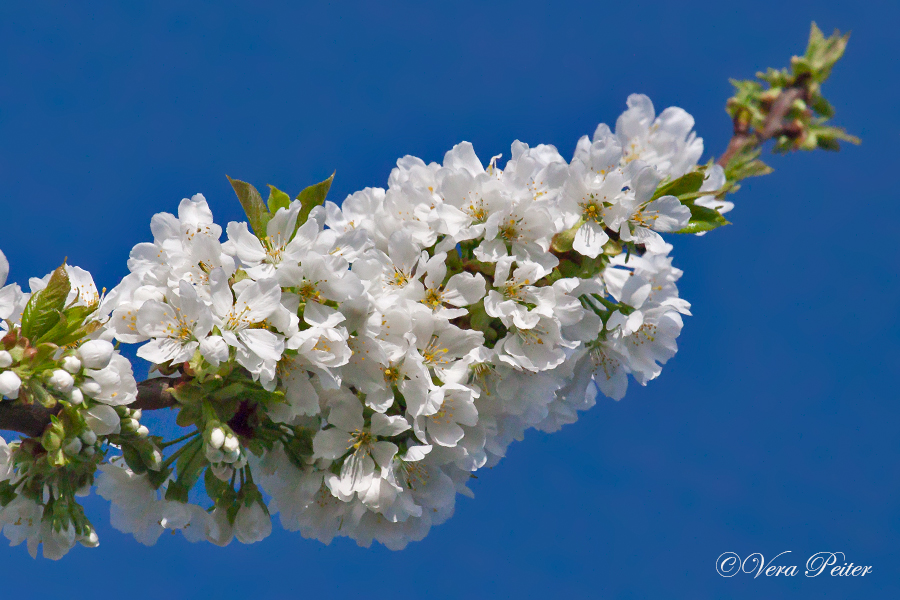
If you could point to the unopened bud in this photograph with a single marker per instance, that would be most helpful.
(76, 397)
(9, 384)
(214, 456)
(222, 472)
(95, 354)
(143, 431)
(91, 388)
(71, 364)
(90, 540)
(217, 438)
(6, 359)
(73, 447)
(231, 444)
(61, 381)
(89, 437)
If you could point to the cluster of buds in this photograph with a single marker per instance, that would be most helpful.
(223, 450)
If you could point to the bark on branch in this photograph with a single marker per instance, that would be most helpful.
(31, 420)
(774, 124)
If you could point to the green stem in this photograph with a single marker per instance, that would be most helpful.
(179, 440)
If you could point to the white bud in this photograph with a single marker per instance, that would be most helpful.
(9, 384)
(89, 451)
(89, 437)
(129, 424)
(231, 444)
(217, 438)
(5, 359)
(91, 540)
(155, 460)
(91, 388)
(222, 472)
(76, 397)
(73, 447)
(95, 354)
(143, 431)
(61, 381)
(137, 414)
(71, 364)
(232, 456)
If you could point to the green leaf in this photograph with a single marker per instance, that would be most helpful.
(702, 219)
(215, 487)
(176, 492)
(312, 197)
(133, 459)
(277, 199)
(191, 463)
(40, 394)
(43, 309)
(188, 415)
(257, 214)
(686, 184)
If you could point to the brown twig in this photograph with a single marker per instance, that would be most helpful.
(773, 126)
(31, 420)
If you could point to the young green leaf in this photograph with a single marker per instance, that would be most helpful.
(277, 199)
(312, 197)
(43, 309)
(686, 184)
(257, 214)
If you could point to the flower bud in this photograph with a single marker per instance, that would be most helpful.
(71, 364)
(89, 451)
(95, 354)
(61, 381)
(9, 384)
(89, 437)
(73, 447)
(143, 431)
(90, 540)
(76, 397)
(136, 414)
(6, 359)
(222, 472)
(213, 455)
(233, 456)
(91, 388)
(231, 444)
(217, 438)
(152, 459)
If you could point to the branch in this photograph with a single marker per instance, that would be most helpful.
(774, 124)
(32, 419)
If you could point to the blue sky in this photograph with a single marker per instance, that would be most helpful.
(773, 429)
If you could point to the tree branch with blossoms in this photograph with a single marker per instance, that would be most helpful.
(356, 364)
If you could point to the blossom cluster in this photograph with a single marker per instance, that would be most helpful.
(350, 367)
(52, 355)
(408, 336)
